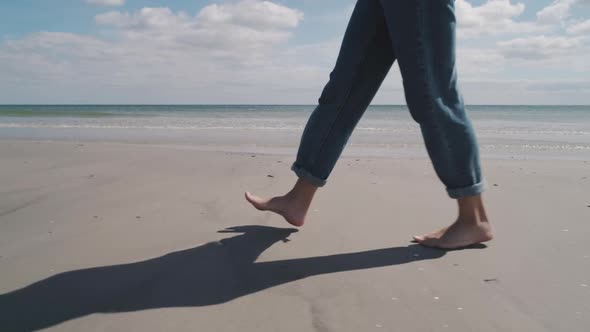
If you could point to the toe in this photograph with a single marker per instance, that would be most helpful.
(426, 237)
(248, 196)
(430, 242)
(254, 200)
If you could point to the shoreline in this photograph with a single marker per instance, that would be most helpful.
(546, 152)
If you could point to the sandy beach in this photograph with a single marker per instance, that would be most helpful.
(138, 237)
(138, 138)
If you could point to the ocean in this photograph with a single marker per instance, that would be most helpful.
(521, 132)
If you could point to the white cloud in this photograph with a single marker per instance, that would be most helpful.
(507, 47)
(540, 47)
(473, 62)
(580, 28)
(251, 13)
(559, 86)
(557, 12)
(240, 52)
(146, 18)
(179, 57)
(113, 18)
(494, 17)
(107, 2)
(248, 25)
(526, 91)
(501, 18)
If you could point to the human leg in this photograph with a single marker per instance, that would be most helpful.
(365, 57)
(423, 35)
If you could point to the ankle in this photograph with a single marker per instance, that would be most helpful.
(302, 191)
(471, 210)
(471, 219)
(472, 216)
(299, 197)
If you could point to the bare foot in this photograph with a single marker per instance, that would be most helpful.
(289, 207)
(459, 235)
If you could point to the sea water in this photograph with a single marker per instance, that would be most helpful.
(546, 132)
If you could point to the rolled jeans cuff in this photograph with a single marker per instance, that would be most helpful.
(306, 175)
(473, 190)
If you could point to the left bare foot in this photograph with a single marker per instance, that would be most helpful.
(293, 206)
(291, 209)
(459, 235)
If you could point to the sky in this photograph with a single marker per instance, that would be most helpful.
(270, 52)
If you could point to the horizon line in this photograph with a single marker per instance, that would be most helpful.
(235, 104)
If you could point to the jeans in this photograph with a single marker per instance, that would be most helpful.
(420, 34)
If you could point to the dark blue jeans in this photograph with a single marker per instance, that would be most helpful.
(420, 34)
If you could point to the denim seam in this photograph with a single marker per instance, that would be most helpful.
(471, 190)
(339, 109)
(421, 31)
(426, 67)
(303, 173)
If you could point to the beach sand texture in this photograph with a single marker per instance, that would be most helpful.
(137, 237)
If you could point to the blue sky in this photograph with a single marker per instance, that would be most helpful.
(252, 51)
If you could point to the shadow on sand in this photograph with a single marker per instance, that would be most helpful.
(213, 273)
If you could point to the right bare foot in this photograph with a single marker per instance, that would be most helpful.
(458, 235)
(471, 227)
(290, 208)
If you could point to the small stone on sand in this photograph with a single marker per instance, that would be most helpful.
(137, 217)
(270, 176)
